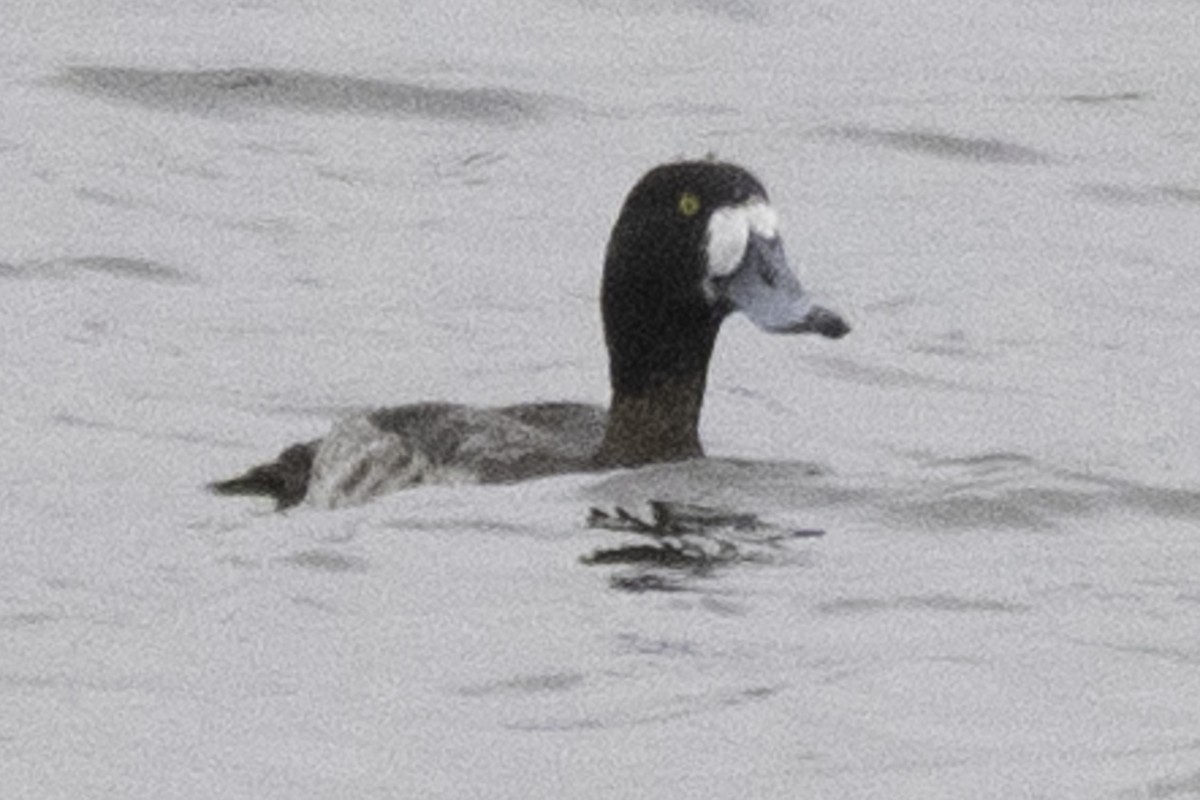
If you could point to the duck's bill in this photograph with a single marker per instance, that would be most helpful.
(765, 288)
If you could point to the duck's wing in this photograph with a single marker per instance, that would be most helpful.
(560, 417)
(573, 430)
(285, 479)
(442, 443)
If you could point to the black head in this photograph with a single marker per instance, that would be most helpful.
(657, 319)
(695, 240)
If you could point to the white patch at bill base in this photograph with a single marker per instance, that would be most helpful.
(729, 230)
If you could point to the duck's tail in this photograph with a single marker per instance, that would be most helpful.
(285, 479)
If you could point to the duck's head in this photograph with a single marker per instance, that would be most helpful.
(695, 242)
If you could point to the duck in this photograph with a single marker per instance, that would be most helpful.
(694, 242)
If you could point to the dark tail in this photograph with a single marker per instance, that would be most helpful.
(285, 479)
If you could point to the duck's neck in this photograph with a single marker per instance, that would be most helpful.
(659, 423)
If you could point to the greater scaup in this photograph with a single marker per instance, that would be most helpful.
(694, 242)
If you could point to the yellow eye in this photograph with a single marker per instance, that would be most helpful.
(689, 204)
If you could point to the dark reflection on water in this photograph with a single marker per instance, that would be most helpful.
(1120, 194)
(1011, 491)
(932, 602)
(1099, 99)
(138, 269)
(944, 145)
(223, 91)
(986, 491)
(324, 561)
(526, 684)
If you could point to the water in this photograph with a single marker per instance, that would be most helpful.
(228, 224)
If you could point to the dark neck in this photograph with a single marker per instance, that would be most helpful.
(660, 423)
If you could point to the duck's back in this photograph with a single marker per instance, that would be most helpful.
(388, 449)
